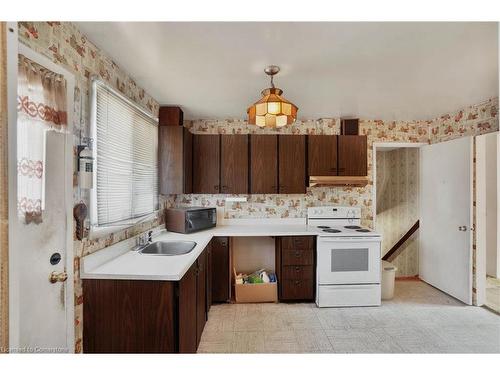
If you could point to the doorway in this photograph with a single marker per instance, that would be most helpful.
(488, 225)
(396, 182)
(41, 312)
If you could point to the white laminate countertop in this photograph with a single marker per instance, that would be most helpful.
(120, 262)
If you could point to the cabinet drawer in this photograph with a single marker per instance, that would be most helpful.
(293, 257)
(297, 289)
(297, 273)
(297, 243)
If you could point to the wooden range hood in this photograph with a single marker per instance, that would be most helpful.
(357, 181)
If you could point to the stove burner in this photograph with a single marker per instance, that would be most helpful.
(362, 230)
(331, 230)
(352, 227)
(323, 227)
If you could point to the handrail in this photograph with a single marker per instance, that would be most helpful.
(391, 254)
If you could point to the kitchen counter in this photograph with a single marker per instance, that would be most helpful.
(120, 262)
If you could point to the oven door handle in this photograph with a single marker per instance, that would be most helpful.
(351, 239)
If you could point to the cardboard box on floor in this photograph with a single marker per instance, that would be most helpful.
(251, 293)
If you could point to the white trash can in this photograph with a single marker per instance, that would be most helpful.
(388, 277)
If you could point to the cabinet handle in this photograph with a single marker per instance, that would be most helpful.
(297, 282)
(297, 253)
(297, 269)
(216, 187)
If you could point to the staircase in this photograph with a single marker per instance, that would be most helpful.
(396, 249)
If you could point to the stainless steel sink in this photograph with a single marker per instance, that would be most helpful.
(169, 248)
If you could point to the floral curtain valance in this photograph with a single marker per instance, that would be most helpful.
(41, 107)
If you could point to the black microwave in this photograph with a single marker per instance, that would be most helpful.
(190, 219)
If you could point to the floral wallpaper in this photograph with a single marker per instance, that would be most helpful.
(476, 119)
(64, 44)
(398, 204)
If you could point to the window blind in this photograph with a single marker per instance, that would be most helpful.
(126, 159)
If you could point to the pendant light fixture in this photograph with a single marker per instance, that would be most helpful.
(272, 110)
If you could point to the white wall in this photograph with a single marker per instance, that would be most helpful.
(491, 222)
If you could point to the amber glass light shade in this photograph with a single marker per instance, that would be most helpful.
(272, 110)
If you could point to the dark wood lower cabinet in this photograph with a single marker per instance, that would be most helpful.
(208, 250)
(220, 269)
(128, 316)
(201, 296)
(137, 316)
(295, 267)
(188, 311)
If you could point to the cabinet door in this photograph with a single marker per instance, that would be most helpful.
(188, 311)
(188, 162)
(220, 269)
(201, 295)
(170, 159)
(292, 164)
(263, 164)
(208, 250)
(234, 164)
(206, 163)
(352, 155)
(322, 151)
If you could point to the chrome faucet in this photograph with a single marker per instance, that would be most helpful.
(143, 240)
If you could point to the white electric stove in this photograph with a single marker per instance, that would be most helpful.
(348, 258)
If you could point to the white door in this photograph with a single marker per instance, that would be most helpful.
(445, 217)
(43, 322)
(42, 313)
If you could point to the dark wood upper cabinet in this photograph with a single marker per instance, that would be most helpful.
(322, 151)
(352, 155)
(263, 164)
(234, 164)
(292, 164)
(220, 269)
(174, 153)
(170, 116)
(206, 164)
(175, 160)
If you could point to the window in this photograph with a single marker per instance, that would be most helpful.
(126, 160)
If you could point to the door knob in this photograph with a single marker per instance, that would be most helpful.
(58, 277)
(462, 228)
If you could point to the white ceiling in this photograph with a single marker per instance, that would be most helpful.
(371, 70)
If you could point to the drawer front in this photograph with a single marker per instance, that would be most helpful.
(297, 289)
(297, 242)
(297, 257)
(297, 273)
